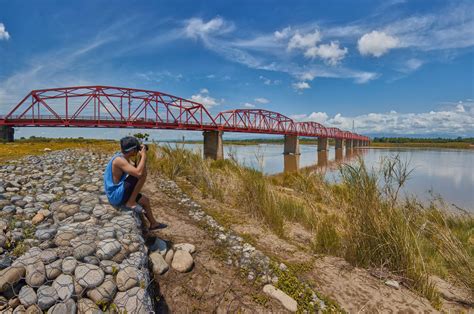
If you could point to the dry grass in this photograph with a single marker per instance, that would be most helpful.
(360, 219)
(22, 148)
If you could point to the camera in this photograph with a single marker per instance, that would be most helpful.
(145, 146)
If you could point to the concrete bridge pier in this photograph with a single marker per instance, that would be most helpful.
(291, 145)
(339, 143)
(322, 144)
(213, 145)
(349, 144)
(7, 133)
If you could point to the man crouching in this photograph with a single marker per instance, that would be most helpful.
(123, 181)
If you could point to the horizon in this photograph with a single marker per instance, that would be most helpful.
(387, 66)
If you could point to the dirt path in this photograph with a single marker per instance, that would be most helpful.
(212, 286)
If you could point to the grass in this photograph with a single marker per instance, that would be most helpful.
(25, 147)
(360, 219)
(455, 145)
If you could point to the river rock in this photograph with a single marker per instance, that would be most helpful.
(35, 273)
(182, 261)
(89, 276)
(169, 257)
(27, 296)
(86, 306)
(288, 302)
(159, 264)
(53, 270)
(64, 238)
(33, 309)
(45, 234)
(105, 292)
(69, 265)
(47, 296)
(190, 248)
(132, 301)
(108, 248)
(64, 286)
(47, 198)
(49, 256)
(127, 278)
(84, 249)
(39, 217)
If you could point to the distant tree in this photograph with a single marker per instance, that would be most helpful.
(142, 136)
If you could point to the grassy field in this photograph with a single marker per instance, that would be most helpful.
(361, 219)
(21, 148)
(456, 145)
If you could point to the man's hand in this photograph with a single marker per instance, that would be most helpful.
(142, 151)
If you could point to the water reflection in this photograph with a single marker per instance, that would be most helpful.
(291, 163)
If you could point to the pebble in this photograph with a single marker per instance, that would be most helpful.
(64, 286)
(27, 296)
(69, 265)
(127, 278)
(160, 266)
(393, 283)
(47, 296)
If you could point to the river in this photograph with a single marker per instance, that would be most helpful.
(448, 173)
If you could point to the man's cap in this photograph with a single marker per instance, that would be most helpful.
(129, 143)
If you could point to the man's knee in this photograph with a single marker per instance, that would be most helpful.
(144, 200)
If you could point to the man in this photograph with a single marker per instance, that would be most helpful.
(123, 181)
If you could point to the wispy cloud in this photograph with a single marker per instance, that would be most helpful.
(204, 98)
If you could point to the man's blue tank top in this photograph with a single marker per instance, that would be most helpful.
(113, 191)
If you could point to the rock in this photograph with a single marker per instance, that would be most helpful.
(86, 306)
(84, 249)
(108, 248)
(47, 198)
(70, 306)
(39, 217)
(106, 233)
(20, 309)
(105, 292)
(80, 217)
(64, 238)
(14, 302)
(64, 286)
(47, 296)
(109, 267)
(5, 261)
(45, 234)
(69, 265)
(33, 309)
(67, 210)
(159, 245)
(53, 270)
(392, 283)
(182, 261)
(190, 248)
(49, 256)
(169, 257)
(134, 300)
(27, 296)
(288, 302)
(88, 275)
(59, 308)
(127, 278)
(91, 260)
(35, 273)
(159, 264)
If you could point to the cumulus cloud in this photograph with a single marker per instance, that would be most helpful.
(304, 41)
(249, 105)
(4, 35)
(456, 120)
(376, 43)
(299, 86)
(331, 53)
(283, 34)
(197, 28)
(205, 99)
(261, 100)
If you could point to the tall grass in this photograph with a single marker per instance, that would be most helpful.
(361, 219)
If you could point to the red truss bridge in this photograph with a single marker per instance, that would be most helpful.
(118, 107)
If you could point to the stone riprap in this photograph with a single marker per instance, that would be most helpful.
(63, 248)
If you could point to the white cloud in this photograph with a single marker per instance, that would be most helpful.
(249, 105)
(283, 34)
(4, 35)
(376, 43)
(210, 76)
(159, 76)
(412, 64)
(304, 41)
(299, 86)
(331, 53)
(197, 28)
(261, 100)
(268, 81)
(205, 99)
(457, 120)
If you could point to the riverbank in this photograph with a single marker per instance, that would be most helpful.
(355, 221)
(452, 145)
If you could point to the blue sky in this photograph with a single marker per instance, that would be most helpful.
(392, 67)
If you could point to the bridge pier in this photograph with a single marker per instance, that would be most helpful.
(349, 144)
(339, 143)
(292, 145)
(322, 144)
(355, 143)
(213, 146)
(7, 133)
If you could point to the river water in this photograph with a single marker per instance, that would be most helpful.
(448, 173)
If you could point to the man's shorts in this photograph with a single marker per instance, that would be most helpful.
(128, 186)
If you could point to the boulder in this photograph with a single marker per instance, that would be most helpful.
(182, 261)
(288, 302)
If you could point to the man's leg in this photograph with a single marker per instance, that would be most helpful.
(132, 201)
(145, 203)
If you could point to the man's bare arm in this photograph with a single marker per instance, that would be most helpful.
(138, 171)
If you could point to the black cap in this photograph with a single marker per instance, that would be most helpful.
(129, 143)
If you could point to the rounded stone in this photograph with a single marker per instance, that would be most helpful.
(105, 292)
(108, 248)
(47, 296)
(182, 261)
(64, 286)
(88, 275)
(35, 273)
(69, 265)
(190, 248)
(127, 278)
(159, 264)
(27, 296)
(134, 300)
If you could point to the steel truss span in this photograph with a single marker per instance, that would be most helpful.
(118, 107)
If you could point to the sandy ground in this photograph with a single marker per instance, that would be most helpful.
(212, 286)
